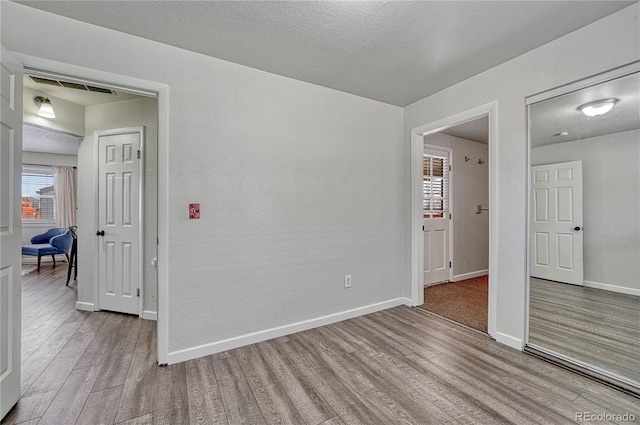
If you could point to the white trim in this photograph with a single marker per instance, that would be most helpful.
(509, 340)
(417, 250)
(142, 87)
(149, 315)
(612, 288)
(470, 275)
(85, 306)
(254, 337)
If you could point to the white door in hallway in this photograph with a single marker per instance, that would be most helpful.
(119, 218)
(556, 222)
(10, 229)
(436, 217)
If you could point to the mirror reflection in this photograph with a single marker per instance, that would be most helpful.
(584, 300)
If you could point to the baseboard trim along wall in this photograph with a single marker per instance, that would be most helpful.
(612, 288)
(85, 306)
(509, 341)
(252, 338)
(149, 315)
(471, 275)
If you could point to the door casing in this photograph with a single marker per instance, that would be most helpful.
(417, 242)
(121, 82)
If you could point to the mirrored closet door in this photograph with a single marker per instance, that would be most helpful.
(584, 288)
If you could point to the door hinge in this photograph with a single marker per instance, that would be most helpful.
(139, 154)
(449, 216)
(449, 264)
(138, 291)
(423, 228)
(449, 168)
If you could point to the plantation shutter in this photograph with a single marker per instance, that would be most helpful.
(435, 185)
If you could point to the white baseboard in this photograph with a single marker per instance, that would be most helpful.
(252, 338)
(471, 275)
(149, 315)
(85, 306)
(612, 288)
(509, 340)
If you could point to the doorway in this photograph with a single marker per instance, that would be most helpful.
(462, 194)
(467, 283)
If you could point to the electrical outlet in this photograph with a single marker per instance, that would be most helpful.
(347, 281)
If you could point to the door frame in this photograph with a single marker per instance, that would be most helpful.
(161, 92)
(489, 110)
(96, 205)
(449, 152)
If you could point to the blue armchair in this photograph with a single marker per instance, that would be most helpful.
(55, 241)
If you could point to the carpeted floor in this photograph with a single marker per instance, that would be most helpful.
(465, 301)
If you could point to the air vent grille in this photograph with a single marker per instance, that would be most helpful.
(70, 85)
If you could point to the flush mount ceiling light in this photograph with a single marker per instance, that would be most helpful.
(46, 110)
(597, 108)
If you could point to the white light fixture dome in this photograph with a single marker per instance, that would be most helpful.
(46, 109)
(597, 108)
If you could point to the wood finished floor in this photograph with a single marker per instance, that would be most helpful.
(598, 327)
(399, 366)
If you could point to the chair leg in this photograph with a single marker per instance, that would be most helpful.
(39, 258)
(54, 261)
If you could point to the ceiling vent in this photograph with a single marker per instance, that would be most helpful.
(67, 84)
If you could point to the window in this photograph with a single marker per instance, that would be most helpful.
(38, 195)
(435, 185)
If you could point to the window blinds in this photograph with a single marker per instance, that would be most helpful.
(435, 185)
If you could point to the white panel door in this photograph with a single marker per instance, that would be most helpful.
(119, 220)
(436, 218)
(556, 222)
(10, 230)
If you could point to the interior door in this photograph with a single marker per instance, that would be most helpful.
(119, 219)
(436, 217)
(556, 222)
(10, 230)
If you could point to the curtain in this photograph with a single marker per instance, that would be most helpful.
(64, 184)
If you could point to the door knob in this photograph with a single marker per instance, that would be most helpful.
(577, 228)
(100, 233)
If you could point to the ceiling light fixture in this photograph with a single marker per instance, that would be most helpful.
(46, 109)
(597, 108)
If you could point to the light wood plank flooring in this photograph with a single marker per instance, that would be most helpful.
(399, 366)
(598, 327)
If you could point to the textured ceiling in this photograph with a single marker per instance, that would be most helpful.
(394, 52)
(561, 114)
(38, 139)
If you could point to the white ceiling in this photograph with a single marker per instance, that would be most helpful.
(396, 52)
(560, 114)
(476, 130)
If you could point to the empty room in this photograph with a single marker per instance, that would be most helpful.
(251, 236)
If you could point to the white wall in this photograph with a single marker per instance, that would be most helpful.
(298, 185)
(611, 205)
(603, 45)
(69, 116)
(130, 113)
(470, 187)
